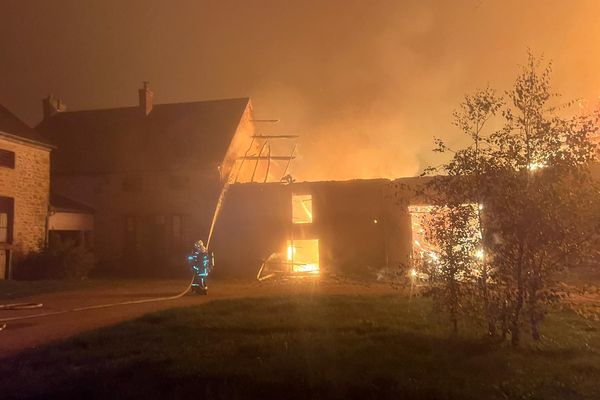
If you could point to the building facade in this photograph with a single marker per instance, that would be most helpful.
(24, 191)
(356, 227)
(152, 173)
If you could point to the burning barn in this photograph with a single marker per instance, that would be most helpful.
(153, 174)
(340, 227)
(309, 226)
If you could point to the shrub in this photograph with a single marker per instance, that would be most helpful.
(63, 259)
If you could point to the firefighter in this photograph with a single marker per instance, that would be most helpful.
(202, 264)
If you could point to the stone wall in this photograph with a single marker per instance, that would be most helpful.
(29, 185)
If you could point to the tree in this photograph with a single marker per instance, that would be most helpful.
(450, 264)
(536, 202)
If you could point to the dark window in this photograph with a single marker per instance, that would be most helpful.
(3, 227)
(132, 184)
(157, 238)
(133, 238)
(88, 240)
(7, 159)
(176, 227)
(178, 182)
(6, 219)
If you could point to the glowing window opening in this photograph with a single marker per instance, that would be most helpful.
(421, 248)
(302, 211)
(303, 255)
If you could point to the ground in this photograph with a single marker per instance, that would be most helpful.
(291, 340)
(27, 333)
(11, 289)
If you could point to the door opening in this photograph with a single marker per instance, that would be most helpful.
(303, 255)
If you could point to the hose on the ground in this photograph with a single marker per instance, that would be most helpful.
(20, 306)
(28, 306)
(23, 306)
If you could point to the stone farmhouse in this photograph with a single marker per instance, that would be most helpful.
(24, 190)
(29, 214)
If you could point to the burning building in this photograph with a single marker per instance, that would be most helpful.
(340, 227)
(153, 173)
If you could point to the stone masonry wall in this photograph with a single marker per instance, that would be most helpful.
(29, 185)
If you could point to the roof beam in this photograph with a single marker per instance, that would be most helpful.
(275, 136)
(272, 158)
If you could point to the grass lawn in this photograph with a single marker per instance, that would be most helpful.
(319, 346)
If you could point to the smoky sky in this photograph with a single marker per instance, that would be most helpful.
(367, 84)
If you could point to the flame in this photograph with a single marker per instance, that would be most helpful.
(303, 256)
(311, 268)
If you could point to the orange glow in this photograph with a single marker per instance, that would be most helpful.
(302, 211)
(303, 256)
(312, 268)
(421, 247)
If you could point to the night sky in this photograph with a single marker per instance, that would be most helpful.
(367, 84)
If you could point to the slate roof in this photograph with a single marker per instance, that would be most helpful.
(178, 135)
(12, 126)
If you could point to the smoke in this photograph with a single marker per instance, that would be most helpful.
(378, 97)
(372, 104)
(367, 84)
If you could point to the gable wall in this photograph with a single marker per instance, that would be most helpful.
(29, 185)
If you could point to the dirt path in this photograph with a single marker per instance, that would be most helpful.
(29, 333)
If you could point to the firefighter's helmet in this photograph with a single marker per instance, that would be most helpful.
(199, 246)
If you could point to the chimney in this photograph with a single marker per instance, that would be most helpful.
(51, 105)
(146, 96)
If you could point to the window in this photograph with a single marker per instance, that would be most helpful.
(424, 250)
(6, 219)
(302, 212)
(3, 263)
(132, 184)
(421, 247)
(133, 237)
(176, 226)
(179, 182)
(3, 227)
(7, 159)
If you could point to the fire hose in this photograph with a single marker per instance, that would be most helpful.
(29, 306)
